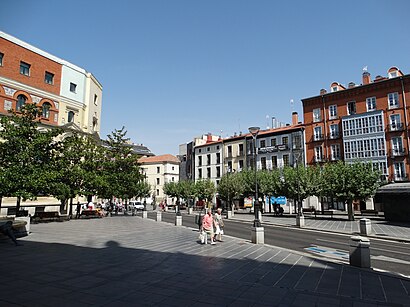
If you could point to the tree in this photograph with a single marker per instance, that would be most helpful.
(269, 182)
(187, 190)
(230, 187)
(349, 182)
(26, 154)
(205, 190)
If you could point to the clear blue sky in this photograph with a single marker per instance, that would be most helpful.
(176, 69)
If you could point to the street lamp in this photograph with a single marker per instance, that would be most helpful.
(254, 131)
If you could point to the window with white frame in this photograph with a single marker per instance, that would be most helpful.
(334, 89)
(332, 111)
(317, 133)
(200, 173)
(316, 115)
(399, 171)
(263, 162)
(393, 100)
(334, 131)
(274, 162)
(285, 160)
(318, 153)
(335, 152)
(397, 145)
(361, 148)
(25, 68)
(200, 161)
(363, 125)
(371, 104)
(73, 87)
(1, 59)
(381, 166)
(351, 107)
(395, 122)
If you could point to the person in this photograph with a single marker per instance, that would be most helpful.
(219, 225)
(208, 224)
(7, 229)
(78, 213)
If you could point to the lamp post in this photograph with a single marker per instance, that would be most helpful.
(254, 131)
(300, 219)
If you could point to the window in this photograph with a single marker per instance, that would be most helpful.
(95, 99)
(393, 74)
(297, 141)
(393, 100)
(334, 131)
(273, 142)
(218, 171)
(397, 146)
(351, 107)
(371, 104)
(70, 116)
(229, 166)
(333, 89)
(172, 179)
(157, 192)
(46, 110)
(218, 158)
(73, 87)
(318, 154)
(316, 115)
(262, 144)
(158, 169)
(200, 173)
(335, 152)
(157, 180)
(200, 161)
(285, 160)
(208, 159)
(21, 101)
(229, 151)
(173, 168)
(25, 69)
(208, 148)
(395, 122)
(1, 59)
(240, 149)
(274, 161)
(49, 78)
(399, 171)
(208, 172)
(263, 162)
(240, 164)
(285, 140)
(332, 111)
(317, 134)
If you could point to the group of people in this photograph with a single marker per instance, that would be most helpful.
(212, 226)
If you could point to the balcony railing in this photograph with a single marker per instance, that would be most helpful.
(334, 135)
(396, 127)
(402, 177)
(317, 137)
(398, 152)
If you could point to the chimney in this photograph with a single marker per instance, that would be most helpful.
(209, 137)
(351, 85)
(323, 91)
(294, 118)
(274, 122)
(366, 78)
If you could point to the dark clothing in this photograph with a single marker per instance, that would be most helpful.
(7, 229)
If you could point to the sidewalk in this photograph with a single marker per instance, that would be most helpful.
(130, 261)
(339, 223)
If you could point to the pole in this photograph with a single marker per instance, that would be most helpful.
(256, 222)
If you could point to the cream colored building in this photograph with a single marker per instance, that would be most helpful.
(158, 171)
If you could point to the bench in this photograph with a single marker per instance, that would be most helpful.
(18, 227)
(91, 213)
(324, 212)
(369, 212)
(49, 216)
(309, 210)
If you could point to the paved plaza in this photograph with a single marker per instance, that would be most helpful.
(130, 261)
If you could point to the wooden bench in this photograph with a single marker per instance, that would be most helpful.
(90, 213)
(49, 216)
(369, 212)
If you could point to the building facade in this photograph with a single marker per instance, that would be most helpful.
(366, 122)
(159, 170)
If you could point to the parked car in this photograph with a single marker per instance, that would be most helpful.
(136, 205)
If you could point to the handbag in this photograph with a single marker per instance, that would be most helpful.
(202, 237)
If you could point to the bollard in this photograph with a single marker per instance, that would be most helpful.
(159, 216)
(190, 210)
(229, 215)
(260, 216)
(359, 253)
(300, 221)
(144, 214)
(178, 220)
(258, 235)
(365, 227)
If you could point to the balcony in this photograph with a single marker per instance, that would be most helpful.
(400, 178)
(398, 152)
(317, 137)
(334, 135)
(396, 127)
(263, 150)
(241, 154)
(335, 158)
(318, 159)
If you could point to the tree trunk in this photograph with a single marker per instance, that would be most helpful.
(1, 201)
(71, 207)
(18, 204)
(350, 212)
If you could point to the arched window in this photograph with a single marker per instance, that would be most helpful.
(21, 100)
(70, 116)
(46, 110)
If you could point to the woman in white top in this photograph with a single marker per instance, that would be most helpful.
(219, 225)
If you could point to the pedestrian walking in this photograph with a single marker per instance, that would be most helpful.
(208, 224)
(219, 225)
(78, 209)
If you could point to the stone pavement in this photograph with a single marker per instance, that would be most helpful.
(130, 261)
(339, 223)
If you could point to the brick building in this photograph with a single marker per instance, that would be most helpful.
(367, 122)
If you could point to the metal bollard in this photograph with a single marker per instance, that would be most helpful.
(359, 253)
(365, 227)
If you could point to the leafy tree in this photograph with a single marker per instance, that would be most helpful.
(349, 182)
(205, 190)
(26, 154)
(269, 182)
(187, 190)
(230, 187)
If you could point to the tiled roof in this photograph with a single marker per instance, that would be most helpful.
(159, 159)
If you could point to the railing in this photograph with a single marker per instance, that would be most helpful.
(398, 152)
(334, 135)
(317, 137)
(396, 127)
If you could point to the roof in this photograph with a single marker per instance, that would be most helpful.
(159, 159)
(395, 188)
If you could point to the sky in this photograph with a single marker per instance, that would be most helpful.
(173, 70)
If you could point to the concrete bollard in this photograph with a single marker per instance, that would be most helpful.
(300, 221)
(229, 215)
(178, 220)
(359, 253)
(25, 219)
(258, 235)
(190, 210)
(159, 216)
(260, 216)
(144, 214)
(365, 227)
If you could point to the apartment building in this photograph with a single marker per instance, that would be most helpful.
(208, 161)
(68, 95)
(366, 122)
(158, 171)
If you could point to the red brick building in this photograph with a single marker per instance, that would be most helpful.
(367, 122)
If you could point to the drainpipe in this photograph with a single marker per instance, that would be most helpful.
(325, 128)
(405, 112)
